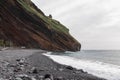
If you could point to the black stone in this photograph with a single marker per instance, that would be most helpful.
(69, 67)
(47, 76)
(35, 71)
(18, 60)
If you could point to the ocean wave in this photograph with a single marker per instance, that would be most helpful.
(100, 69)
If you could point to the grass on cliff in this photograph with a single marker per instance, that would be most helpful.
(51, 23)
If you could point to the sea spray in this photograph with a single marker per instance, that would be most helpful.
(100, 69)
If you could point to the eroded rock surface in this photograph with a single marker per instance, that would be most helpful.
(23, 24)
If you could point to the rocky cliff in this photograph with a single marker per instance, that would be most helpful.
(22, 23)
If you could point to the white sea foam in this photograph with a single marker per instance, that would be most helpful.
(100, 69)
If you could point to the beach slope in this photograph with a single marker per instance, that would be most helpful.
(32, 65)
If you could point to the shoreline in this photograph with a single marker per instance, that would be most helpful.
(33, 65)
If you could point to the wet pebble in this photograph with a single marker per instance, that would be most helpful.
(69, 68)
(48, 77)
(34, 70)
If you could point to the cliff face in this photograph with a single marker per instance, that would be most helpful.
(22, 23)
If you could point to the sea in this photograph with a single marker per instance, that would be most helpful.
(101, 63)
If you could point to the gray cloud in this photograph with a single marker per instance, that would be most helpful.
(95, 23)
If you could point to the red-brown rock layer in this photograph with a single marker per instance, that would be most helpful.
(24, 28)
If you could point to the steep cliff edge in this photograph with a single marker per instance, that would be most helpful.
(22, 23)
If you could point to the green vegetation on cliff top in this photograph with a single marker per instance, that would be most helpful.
(51, 23)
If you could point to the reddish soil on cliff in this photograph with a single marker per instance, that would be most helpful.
(25, 25)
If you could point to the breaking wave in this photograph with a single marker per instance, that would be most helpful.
(100, 69)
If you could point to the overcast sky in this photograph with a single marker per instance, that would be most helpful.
(94, 23)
